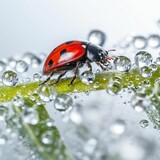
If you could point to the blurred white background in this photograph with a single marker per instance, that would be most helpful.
(40, 25)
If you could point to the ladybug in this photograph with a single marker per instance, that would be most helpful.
(72, 55)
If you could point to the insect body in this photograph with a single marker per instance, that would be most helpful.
(71, 55)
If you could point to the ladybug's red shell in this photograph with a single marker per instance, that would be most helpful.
(68, 52)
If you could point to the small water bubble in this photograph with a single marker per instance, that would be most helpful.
(37, 77)
(122, 63)
(118, 127)
(158, 60)
(63, 102)
(154, 41)
(146, 72)
(143, 58)
(21, 66)
(18, 101)
(9, 78)
(144, 123)
(97, 37)
(87, 77)
(30, 116)
(140, 102)
(140, 42)
(47, 137)
(2, 66)
(3, 113)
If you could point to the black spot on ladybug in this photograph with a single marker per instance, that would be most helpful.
(63, 51)
(50, 64)
(69, 42)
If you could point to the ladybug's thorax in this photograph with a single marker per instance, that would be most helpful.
(96, 53)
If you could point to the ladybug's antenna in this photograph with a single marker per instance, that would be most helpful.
(111, 50)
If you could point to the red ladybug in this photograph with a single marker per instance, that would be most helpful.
(71, 55)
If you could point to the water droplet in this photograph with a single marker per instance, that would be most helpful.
(3, 139)
(30, 116)
(154, 41)
(75, 116)
(36, 61)
(139, 42)
(46, 93)
(140, 102)
(97, 37)
(146, 72)
(3, 113)
(50, 123)
(143, 58)
(90, 146)
(122, 63)
(21, 66)
(153, 67)
(63, 102)
(158, 60)
(18, 101)
(2, 66)
(118, 127)
(9, 78)
(87, 77)
(37, 77)
(47, 137)
(144, 123)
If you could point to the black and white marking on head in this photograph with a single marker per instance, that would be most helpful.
(63, 51)
(50, 63)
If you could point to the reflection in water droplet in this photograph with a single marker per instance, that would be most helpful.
(140, 102)
(21, 66)
(144, 123)
(30, 116)
(139, 42)
(153, 67)
(122, 63)
(154, 41)
(47, 137)
(97, 37)
(63, 102)
(9, 78)
(146, 72)
(142, 59)
(118, 126)
(87, 77)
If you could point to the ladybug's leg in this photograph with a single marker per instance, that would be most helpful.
(60, 76)
(89, 65)
(75, 74)
(52, 73)
(101, 65)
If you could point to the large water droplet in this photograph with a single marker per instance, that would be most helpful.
(30, 116)
(87, 77)
(118, 126)
(122, 63)
(21, 66)
(143, 58)
(154, 41)
(97, 37)
(144, 123)
(63, 102)
(139, 42)
(9, 78)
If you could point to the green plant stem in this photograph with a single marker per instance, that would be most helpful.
(132, 77)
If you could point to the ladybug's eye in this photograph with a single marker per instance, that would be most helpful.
(50, 63)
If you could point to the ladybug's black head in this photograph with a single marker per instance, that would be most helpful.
(96, 54)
